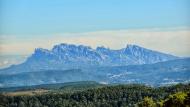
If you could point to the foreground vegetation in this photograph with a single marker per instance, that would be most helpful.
(107, 96)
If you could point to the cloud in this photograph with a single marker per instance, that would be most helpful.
(174, 41)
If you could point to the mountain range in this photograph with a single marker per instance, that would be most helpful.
(70, 63)
(69, 56)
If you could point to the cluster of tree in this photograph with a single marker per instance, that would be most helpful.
(109, 96)
(180, 99)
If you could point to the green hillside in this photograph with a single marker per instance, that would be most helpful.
(68, 86)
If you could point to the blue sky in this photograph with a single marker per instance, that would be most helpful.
(43, 17)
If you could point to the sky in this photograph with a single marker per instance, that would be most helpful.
(162, 25)
(33, 17)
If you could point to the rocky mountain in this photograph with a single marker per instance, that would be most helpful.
(69, 56)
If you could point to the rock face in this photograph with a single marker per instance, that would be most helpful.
(69, 56)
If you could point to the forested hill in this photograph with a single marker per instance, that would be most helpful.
(107, 96)
(66, 87)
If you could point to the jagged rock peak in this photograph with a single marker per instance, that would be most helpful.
(65, 47)
(102, 48)
(41, 50)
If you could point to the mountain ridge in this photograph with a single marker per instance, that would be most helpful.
(69, 56)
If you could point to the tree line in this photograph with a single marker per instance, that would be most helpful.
(109, 96)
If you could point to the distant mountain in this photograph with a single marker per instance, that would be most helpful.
(46, 77)
(69, 56)
(162, 73)
(72, 54)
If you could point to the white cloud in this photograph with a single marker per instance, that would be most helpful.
(173, 41)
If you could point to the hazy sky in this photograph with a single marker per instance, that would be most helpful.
(156, 24)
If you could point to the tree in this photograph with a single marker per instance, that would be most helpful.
(147, 102)
(21, 104)
(187, 99)
(175, 100)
